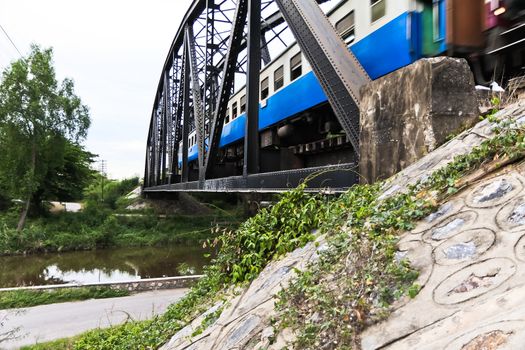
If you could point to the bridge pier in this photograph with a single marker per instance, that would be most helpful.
(408, 113)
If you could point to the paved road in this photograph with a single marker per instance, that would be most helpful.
(49, 322)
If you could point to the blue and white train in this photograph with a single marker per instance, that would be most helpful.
(384, 35)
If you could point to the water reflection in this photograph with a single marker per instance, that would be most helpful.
(109, 265)
(54, 273)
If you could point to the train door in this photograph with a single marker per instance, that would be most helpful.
(465, 25)
(433, 23)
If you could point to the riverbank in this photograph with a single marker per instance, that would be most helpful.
(95, 228)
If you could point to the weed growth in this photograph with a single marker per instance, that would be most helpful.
(360, 275)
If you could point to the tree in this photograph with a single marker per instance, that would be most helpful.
(71, 173)
(36, 115)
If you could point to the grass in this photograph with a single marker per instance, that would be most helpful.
(28, 298)
(63, 344)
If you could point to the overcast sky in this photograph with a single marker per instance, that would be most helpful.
(114, 51)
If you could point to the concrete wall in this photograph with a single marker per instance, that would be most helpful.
(408, 113)
(132, 286)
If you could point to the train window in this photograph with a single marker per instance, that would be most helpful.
(295, 67)
(227, 116)
(378, 9)
(265, 89)
(436, 19)
(278, 78)
(494, 4)
(234, 110)
(346, 27)
(243, 104)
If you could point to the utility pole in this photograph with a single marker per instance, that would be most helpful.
(103, 171)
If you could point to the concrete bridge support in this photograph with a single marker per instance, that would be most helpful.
(407, 114)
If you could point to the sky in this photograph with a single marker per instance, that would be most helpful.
(114, 51)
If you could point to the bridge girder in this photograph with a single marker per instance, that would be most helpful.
(218, 41)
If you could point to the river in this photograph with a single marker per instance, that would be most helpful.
(108, 265)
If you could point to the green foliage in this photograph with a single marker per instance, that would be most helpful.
(185, 269)
(39, 117)
(96, 227)
(272, 232)
(69, 177)
(242, 254)
(28, 298)
(207, 321)
(60, 344)
(109, 193)
(357, 276)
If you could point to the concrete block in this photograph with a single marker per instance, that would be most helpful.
(409, 113)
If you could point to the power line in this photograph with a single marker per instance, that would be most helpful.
(11, 41)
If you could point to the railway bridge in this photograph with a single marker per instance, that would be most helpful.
(260, 95)
(223, 47)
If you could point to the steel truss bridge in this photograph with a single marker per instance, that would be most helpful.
(222, 44)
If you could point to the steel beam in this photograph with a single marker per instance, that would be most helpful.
(333, 178)
(198, 110)
(185, 115)
(226, 84)
(337, 69)
(265, 52)
(157, 142)
(178, 82)
(251, 138)
(164, 131)
(147, 170)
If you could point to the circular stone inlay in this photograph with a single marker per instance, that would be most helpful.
(519, 249)
(474, 280)
(498, 335)
(450, 227)
(465, 246)
(494, 192)
(512, 216)
(444, 211)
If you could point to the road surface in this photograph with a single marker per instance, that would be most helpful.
(50, 322)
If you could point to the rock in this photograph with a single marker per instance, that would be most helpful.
(446, 230)
(460, 251)
(493, 190)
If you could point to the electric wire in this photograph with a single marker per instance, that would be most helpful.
(12, 42)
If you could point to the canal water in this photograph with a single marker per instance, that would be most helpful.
(108, 265)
